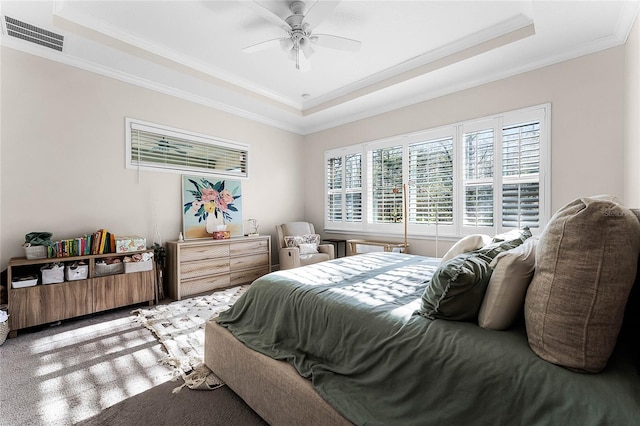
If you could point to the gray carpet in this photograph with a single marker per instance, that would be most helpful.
(103, 369)
(158, 406)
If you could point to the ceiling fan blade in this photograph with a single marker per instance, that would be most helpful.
(268, 15)
(263, 45)
(336, 42)
(318, 11)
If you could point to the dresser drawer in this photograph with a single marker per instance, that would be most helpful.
(248, 275)
(244, 262)
(249, 247)
(188, 254)
(200, 285)
(203, 268)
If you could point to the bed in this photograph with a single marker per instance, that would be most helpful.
(347, 342)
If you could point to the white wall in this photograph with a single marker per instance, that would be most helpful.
(63, 157)
(632, 118)
(587, 134)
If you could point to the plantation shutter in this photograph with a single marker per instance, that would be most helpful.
(155, 147)
(431, 178)
(334, 189)
(478, 178)
(353, 188)
(520, 175)
(386, 188)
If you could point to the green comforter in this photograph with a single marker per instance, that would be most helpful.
(349, 325)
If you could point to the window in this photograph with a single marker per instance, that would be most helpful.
(478, 178)
(344, 188)
(386, 185)
(486, 175)
(160, 148)
(430, 192)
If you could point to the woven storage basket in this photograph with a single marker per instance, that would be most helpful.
(35, 252)
(102, 269)
(130, 267)
(4, 331)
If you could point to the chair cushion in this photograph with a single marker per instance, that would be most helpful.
(308, 259)
(586, 263)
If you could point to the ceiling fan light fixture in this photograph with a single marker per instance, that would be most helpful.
(286, 44)
(305, 46)
(293, 54)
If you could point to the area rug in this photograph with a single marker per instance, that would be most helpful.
(180, 328)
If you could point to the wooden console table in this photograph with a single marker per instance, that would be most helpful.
(386, 246)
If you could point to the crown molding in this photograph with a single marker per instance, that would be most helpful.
(58, 57)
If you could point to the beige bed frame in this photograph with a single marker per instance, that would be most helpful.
(273, 389)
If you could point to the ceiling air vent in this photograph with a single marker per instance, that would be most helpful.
(28, 32)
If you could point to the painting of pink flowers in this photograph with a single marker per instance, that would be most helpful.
(210, 204)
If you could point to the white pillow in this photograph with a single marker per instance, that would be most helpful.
(308, 248)
(507, 288)
(466, 244)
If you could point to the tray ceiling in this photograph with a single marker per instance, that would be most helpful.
(411, 50)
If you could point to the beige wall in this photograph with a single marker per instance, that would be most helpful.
(63, 157)
(586, 96)
(62, 145)
(632, 118)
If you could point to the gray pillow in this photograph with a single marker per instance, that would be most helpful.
(586, 263)
(457, 288)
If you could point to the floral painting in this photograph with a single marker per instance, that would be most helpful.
(209, 205)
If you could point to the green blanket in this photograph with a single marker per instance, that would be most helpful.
(349, 325)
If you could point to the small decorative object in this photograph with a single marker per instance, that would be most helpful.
(254, 227)
(221, 235)
(207, 205)
(180, 237)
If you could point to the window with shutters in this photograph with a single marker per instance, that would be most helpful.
(430, 192)
(386, 185)
(155, 147)
(487, 175)
(344, 188)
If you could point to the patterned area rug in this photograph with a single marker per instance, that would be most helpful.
(180, 328)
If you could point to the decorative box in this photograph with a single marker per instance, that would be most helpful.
(125, 244)
(76, 272)
(130, 267)
(221, 235)
(52, 273)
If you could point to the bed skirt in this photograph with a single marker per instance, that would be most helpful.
(273, 389)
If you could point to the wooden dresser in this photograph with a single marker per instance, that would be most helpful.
(199, 266)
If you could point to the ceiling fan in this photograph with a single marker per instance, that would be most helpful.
(299, 40)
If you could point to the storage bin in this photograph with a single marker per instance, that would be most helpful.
(4, 331)
(52, 273)
(35, 252)
(27, 281)
(102, 269)
(146, 265)
(76, 272)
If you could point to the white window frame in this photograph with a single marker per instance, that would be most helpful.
(541, 113)
(160, 130)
